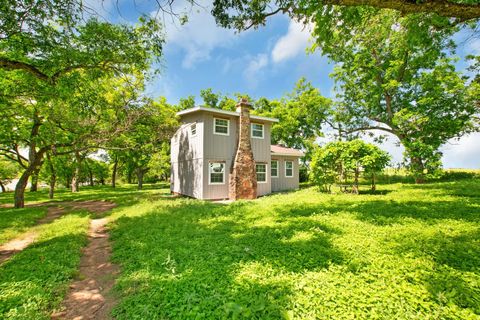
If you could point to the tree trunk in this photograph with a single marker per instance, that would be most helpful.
(76, 173)
(418, 168)
(129, 177)
(114, 172)
(74, 183)
(53, 178)
(140, 178)
(355, 183)
(34, 181)
(2, 187)
(51, 191)
(374, 186)
(90, 175)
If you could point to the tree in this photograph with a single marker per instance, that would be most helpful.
(53, 68)
(245, 14)
(72, 121)
(160, 163)
(406, 87)
(336, 161)
(153, 127)
(8, 172)
(301, 115)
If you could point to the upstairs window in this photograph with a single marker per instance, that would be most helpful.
(221, 126)
(274, 169)
(217, 172)
(193, 129)
(261, 169)
(288, 169)
(257, 130)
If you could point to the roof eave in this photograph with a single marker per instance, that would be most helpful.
(226, 112)
(287, 154)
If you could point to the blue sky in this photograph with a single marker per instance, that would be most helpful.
(261, 63)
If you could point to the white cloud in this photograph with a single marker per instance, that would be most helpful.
(463, 153)
(253, 69)
(294, 42)
(198, 37)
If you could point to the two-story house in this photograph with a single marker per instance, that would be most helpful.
(219, 154)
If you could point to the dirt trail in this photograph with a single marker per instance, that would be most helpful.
(55, 210)
(89, 297)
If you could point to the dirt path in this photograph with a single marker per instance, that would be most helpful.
(55, 210)
(89, 297)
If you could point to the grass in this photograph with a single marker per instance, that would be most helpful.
(14, 222)
(407, 252)
(34, 281)
(411, 252)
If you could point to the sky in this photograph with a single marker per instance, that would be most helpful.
(266, 62)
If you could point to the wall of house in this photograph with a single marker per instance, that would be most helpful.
(283, 183)
(187, 157)
(218, 148)
(223, 148)
(261, 154)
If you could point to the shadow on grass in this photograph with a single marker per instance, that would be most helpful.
(456, 275)
(120, 193)
(198, 259)
(387, 212)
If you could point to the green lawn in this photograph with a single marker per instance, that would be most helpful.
(408, 252)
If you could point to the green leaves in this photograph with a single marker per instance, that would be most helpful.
(336, 161)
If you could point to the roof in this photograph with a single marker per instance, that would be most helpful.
(278, 150)
(225, 112)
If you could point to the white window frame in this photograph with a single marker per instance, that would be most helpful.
(251, 130)
(287, 176)
(210, 173)
(193, 127)
(266, 172)
(271, 167)
(215, 126)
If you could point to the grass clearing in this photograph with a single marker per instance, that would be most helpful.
(407, 252)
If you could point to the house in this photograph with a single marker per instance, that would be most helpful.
(219, 154)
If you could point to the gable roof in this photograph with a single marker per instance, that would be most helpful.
(225, 112)
(279, 150)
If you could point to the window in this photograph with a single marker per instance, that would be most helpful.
(193, 129)
(257, 130)
(261, 169)
(288, 169)
(221, 126)
(274, 169)
(217, 172)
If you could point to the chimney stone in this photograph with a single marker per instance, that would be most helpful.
(243, 178)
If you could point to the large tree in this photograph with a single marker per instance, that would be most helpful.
(69, 121)
(390, 78)
(302, 114)
(153, 127)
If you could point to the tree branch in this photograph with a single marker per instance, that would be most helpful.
(8, 64)
(370, 128)
(445, 8)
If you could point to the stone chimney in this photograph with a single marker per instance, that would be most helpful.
(243, 178)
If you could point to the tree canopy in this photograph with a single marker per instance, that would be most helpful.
(407, 86)
(244, 14)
